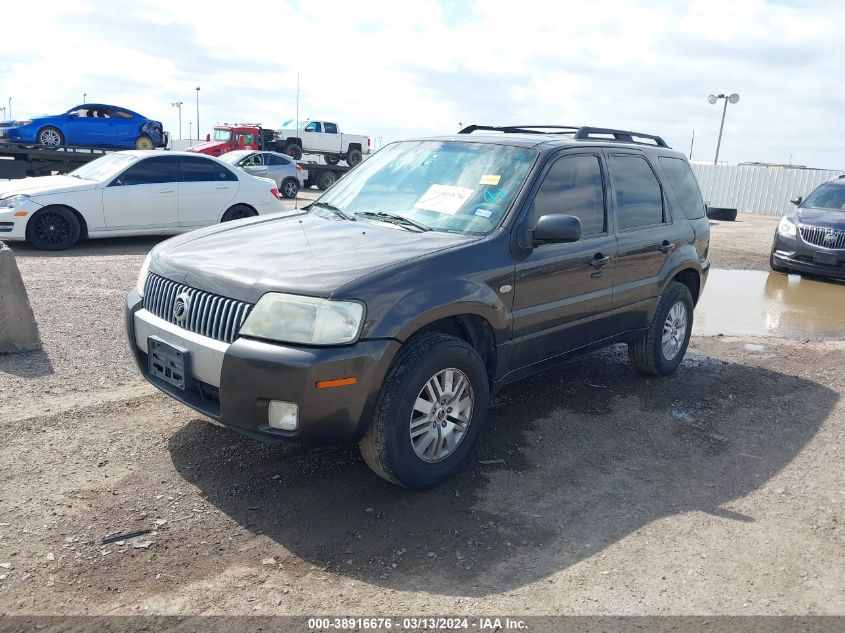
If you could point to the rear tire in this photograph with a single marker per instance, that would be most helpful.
(289, 188)
(326, 180)
(50, 137)
(144, 142)
(238, 212)
(457, 413)
(353, 157)
(663, 347)
(331, 159)
(53, 229)
(293, 150)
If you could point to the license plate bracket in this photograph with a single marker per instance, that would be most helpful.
(167, 362)
(827, 259)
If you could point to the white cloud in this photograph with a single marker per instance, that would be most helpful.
(396, 69)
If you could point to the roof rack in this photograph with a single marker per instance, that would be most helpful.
(582, 133)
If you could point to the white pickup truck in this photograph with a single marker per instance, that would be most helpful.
(325, 138)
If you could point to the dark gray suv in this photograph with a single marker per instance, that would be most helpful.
(430, 276)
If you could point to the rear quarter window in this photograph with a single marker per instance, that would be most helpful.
(684, 185)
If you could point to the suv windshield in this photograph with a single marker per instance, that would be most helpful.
(830, 197)
(222, 135)
(445, 185)
(104, 167)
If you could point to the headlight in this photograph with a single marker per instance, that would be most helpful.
(787, 227)
(142, 274)
(19, 123)
(307, 320)
(10, 202)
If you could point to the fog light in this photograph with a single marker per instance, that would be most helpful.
(283, 415)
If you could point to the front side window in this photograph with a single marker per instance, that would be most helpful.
(255, 160)
(639, 199)
(830, 197)
(149, 171)
(223, 135)
(573, 186)
(683, 183)
(196, 169)
(312, 127)
(457, 186)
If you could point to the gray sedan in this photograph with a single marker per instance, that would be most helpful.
(278, 167)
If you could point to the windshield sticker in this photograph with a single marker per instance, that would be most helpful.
(444, 199)
(494, 196)
(483, 213)
(490, 179)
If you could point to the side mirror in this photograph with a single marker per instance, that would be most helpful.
(797, 201)
(207, 137)
(556, 228)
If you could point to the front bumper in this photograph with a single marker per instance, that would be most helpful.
(795, 254)
(234, 383)
(12, 224)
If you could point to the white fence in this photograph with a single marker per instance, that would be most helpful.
(764, 190)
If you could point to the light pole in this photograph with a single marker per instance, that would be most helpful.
(3, 110)
(84, 97)
(190, 135)
(10, 107)
(198, 113)
(713, 99)
(178, 104)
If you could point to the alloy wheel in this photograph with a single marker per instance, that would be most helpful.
(441, 415)
(674, 330)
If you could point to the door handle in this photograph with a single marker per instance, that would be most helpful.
(666, 246)
(222, 187)
(170, 190)
(599, 260)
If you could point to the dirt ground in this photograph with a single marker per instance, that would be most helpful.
(594, 490)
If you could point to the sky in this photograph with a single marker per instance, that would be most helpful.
(394, 69)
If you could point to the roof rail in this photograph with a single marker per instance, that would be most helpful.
(581, 133)
(523, 129)
(624, 136)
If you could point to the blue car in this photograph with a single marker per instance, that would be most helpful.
(87, 125)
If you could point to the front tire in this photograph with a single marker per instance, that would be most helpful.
(50, 137)
(238, 212)
(53, 229)
(663, 347)
(144, 142)
(289, 188)
(430, 412)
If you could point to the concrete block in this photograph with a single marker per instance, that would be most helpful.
(18, 331)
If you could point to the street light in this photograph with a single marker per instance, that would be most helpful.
(178, 104)
(3, 110)
(190, 123)
(713, 99)
(84, 97)
(198, 113)
(10, 107)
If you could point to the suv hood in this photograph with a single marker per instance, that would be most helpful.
(824, 218)
(45, 184)
(300, 254)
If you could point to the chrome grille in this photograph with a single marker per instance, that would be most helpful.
(818, 236)
(208, 314)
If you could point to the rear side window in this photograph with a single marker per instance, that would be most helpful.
(278, 160)
(149, 171)
(685, 186)
(573, 186)
(196, 169)
(330, 128)
(639, 199)
(117, 113)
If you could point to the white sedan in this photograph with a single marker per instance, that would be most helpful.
(131, 193)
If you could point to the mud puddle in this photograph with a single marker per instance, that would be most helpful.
(758, 303)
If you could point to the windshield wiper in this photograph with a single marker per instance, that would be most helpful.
(394, 218)
(333, 209)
